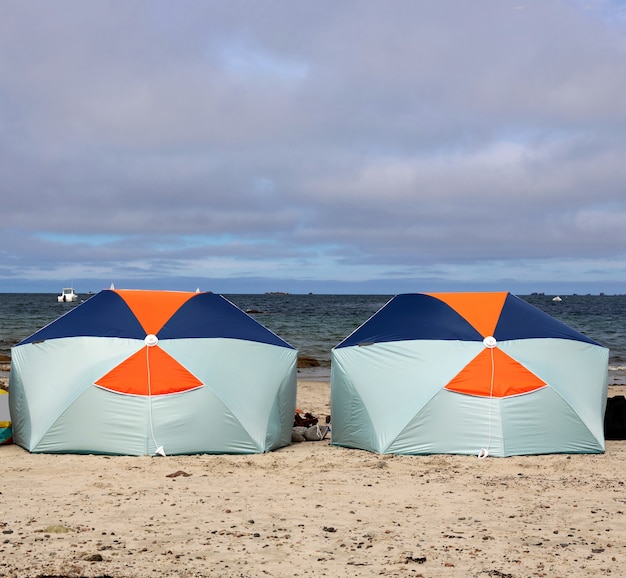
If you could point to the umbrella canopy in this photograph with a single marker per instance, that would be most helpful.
(144, 372)
(468, 373)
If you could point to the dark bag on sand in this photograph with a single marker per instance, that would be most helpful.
(615, 418)
(306, 420)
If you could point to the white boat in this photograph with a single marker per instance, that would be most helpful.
(67, 295)
(557, 299)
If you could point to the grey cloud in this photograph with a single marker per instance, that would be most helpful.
(360, 133)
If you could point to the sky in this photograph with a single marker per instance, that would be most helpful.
(328, 147)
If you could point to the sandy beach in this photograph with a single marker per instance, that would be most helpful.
(312, 509)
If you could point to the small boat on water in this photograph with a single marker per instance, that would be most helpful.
(557, 299)
(67, 295)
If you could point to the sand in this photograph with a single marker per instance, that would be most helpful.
(313, 509)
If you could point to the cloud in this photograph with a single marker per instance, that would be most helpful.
(322, 141)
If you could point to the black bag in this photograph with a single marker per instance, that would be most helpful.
(615, 418)
(304, 421)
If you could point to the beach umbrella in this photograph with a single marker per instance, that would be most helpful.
(468, 373)
(144, 372)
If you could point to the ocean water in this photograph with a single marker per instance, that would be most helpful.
(314, 324)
